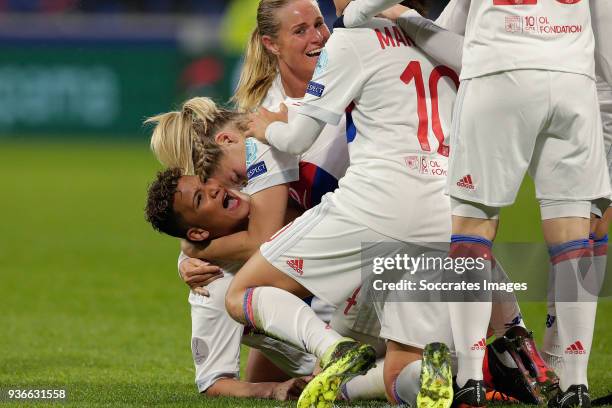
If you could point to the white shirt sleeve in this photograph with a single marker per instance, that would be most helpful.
(215, 336)
(442, 45)
(333, 86)
(268, 167)
(296, 136)
(335, 82)
(181, 258)
(360, 11)
(454, 16)
(601, 18)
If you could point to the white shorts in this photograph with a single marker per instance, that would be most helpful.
(544, 122)
(323, 250)
(417, 323)
(357, 318)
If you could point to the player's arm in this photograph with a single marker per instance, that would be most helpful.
(332, 88)
(442, 45)
(357, 12)
(267, 215)
(231, 387)
(454, 16)
(294, 137)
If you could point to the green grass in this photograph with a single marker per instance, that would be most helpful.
(89, 296)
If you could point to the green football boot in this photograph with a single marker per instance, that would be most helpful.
(436, 378)
(341, 362)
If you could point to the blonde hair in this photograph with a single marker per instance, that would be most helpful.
(186, 139)
(260, 66)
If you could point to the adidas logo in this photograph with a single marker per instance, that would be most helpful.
(466, 182)
(575, 348)
(481, 345)
(296, 265)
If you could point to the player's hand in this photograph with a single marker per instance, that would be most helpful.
(291, 389)
(197, 274)
(393, 12)
(260, 120)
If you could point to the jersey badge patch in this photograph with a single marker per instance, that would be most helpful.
(315, 89)
(199, 349)
(251, 151)
(321, 63)
(256, 169)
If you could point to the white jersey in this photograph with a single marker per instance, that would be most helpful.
(216, 339)
(601, 18)
(393, 87)
(267, 167)
(504, 35)
(324, 163)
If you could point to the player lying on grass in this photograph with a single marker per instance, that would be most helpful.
(215, 336)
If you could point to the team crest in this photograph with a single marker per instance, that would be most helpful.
(251, 151)
(321, 63)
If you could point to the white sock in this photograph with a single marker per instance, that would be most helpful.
(470, 319)
(575, 308)
(407, 384)
(283, 315)
(369, 386)
(551, 347)
(505, 312)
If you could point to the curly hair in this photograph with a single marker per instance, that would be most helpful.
(159, 211)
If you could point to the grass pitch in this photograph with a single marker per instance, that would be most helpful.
(89, 297)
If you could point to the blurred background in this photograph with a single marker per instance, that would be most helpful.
(98, 67)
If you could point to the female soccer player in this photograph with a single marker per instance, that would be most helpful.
(383, 198)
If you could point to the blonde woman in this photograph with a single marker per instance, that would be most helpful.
(280, 59)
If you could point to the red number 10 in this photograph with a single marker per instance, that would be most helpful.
(413, 71)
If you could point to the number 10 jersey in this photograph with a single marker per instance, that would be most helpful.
(400, 104)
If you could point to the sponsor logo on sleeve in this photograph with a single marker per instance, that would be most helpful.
(315, 89)
(256, 169)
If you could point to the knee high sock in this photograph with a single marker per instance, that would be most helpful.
(575, 279)
(505, 312)
(470, 318)
(371, 385)
(407, 384)
(283, 315)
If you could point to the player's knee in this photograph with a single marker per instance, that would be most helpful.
(234, 299)
(390, 377)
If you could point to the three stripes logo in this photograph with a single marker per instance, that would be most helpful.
(575, 348)
(466, 182)
(297, 265)
(480, 345)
